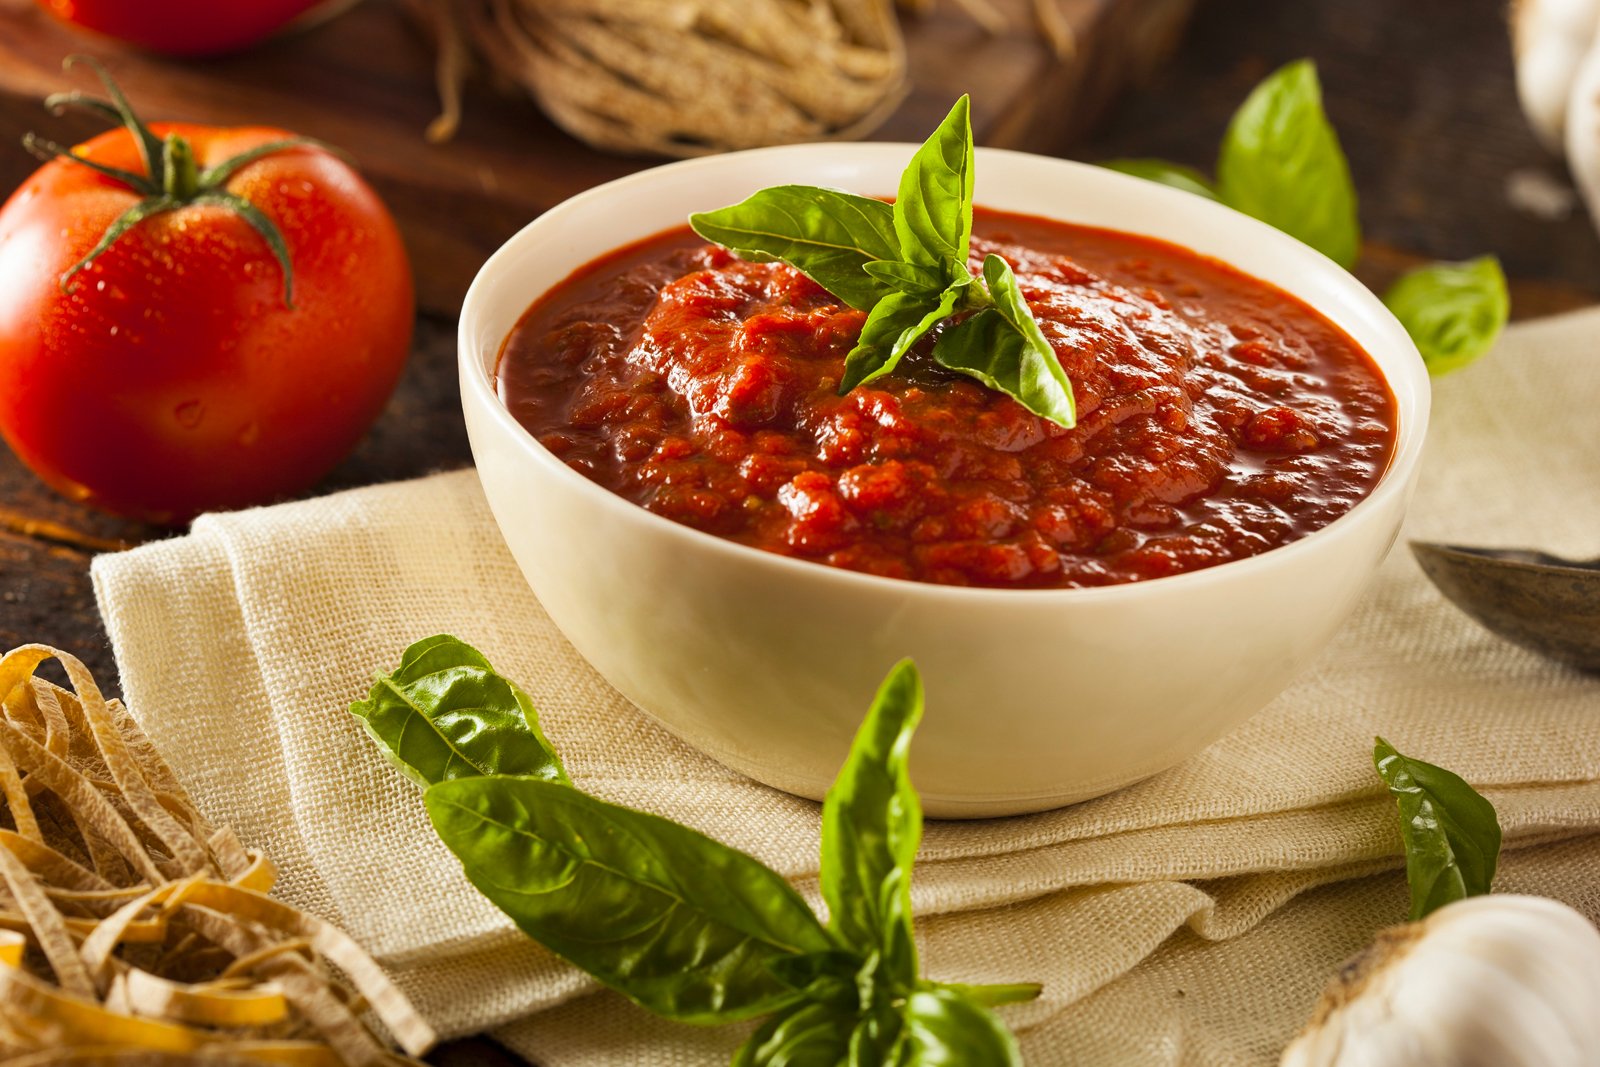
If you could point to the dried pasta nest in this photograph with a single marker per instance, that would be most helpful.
(131, 931)
(688, 77)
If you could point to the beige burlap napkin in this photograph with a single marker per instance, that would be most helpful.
(242, 644)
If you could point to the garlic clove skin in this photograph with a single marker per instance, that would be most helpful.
(1493, 981)
(1549, 39)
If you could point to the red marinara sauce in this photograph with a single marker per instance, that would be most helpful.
(1218, 416)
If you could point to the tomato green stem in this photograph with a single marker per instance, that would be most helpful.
(149, 145)
(172, 177)
(180, 178)
(48, 150)
(59, 102)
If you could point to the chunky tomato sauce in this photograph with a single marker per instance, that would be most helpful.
(1219, 417)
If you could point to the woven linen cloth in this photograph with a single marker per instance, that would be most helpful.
(1189, 919)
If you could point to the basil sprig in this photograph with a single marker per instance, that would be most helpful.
(906, 266)
(679, 923)
(1450, 832)
(1280, 161)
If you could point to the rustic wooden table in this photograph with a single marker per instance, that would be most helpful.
(1420, 92)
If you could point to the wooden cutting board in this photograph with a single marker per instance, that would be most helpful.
(363, 80)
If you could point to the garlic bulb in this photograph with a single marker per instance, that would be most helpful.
(1492, 981)
(1557, 48)
(1583, 130)
(1550, 39)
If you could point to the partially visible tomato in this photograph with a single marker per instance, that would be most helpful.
(170, 375)
(182, 27)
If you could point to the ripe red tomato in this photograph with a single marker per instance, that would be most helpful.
(170, 376)
(182, 27)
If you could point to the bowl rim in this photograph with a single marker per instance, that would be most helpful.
(477, 386)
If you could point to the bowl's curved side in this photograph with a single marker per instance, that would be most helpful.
(1032, 703)
(1035, 698)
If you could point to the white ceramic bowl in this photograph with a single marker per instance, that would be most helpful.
(1036, 698)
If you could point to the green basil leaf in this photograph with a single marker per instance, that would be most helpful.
(825, 234)
(683, 925)
(1281, 162)
(871, 826)
(1160, 171)
(1042, 385)
(1451, 834)
(933, 209)
(1004, 348)
(1453, 311)
(945, 1029)
(911, 278)
(898, 322)
(809, 1035)
(444, 713)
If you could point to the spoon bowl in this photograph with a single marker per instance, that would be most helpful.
(1544, 603)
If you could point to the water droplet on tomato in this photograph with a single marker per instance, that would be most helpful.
(250, 434)
(189, 413)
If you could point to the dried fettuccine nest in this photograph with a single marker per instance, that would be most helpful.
(133, 932)
(683, 77)
(688, 77)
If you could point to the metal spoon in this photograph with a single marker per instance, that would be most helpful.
(1539, 601)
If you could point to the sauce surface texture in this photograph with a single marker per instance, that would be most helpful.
(1218, 417)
